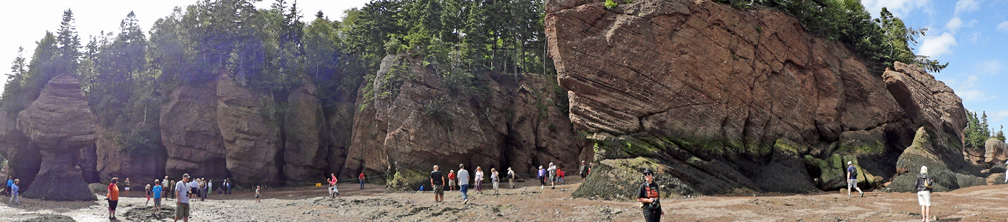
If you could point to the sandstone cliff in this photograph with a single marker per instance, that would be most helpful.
(738, 100)
(515, 124)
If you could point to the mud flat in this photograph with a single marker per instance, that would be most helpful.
(527, 203)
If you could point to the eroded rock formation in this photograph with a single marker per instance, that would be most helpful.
(712, 89)
(250, 129)
(516, 124)
(190, 134)
(59, 123)
(305, 141)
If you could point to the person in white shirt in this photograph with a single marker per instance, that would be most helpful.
(463, 177)
(479, 180)
(183, 191)
(494, 178)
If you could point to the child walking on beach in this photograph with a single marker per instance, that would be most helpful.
(257, 195)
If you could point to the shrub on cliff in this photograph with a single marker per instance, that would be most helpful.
(879, 41)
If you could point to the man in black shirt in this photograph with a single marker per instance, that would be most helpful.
(437, 182)
(648, 196)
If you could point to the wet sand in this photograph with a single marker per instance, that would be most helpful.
(529, 203)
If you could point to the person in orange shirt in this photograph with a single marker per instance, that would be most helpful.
(113, 197)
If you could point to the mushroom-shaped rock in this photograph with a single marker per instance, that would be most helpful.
(59, 123)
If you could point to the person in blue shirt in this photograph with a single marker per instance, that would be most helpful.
(157, 197)
(15, 197)
(852, 179)
(10, 181)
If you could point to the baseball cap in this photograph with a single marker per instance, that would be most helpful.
(648, 172)
(849, 163)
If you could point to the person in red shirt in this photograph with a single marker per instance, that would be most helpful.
(560, 173)
(113, 197)
(451, 180)
(361, 177)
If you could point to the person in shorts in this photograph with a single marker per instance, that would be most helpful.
(924, 193)
(257, 196)
(332, 186)
(113, 197)
(182, 202)
(437, 183)
(852, 179)
(156, 192)
(451, 180)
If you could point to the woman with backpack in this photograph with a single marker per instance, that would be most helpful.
(924, 193)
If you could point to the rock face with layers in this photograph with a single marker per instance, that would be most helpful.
(115, 160)
(924, 152)
(515, 124)
(250, 130)
(59, 123)
(22, 161)
(712, 89)
(306, 138)
(190, 134)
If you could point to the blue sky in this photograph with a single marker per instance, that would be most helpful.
(971, 36)
(968, 34)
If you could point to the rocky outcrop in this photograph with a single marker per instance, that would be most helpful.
(713, 88)
(89, 164)
(305, 136)
(22, 161)
(340, 120)
(59, 123)
(189, 132)
(996, 151)
(249, 126)
(114, 159)
(924, 152)
(428, 122)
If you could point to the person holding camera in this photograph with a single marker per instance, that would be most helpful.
(648, 196)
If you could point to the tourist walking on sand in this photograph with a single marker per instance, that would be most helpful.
(229, 185)
(112, 197)
(924, 193)
(7, 189)
(648, 196)
(126, 185)
(437, 183)
(463, 177)
(171, 189)
(201, 185)
(582, 171)
(542, 177)
(511, 177)
(147, 189)
(451, 180)
(852, 179)
(157, 197)
(552, 175)
(257, 196)
(559, 175)
(209, 188)
(332, 186)
(182, 191)
(193, 185)
(164, 186)
(495, 180)
(361, 178)
(15, 195)
(479, 180)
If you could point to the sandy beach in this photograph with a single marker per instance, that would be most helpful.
(527, 203)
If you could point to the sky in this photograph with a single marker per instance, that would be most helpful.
(968, 34)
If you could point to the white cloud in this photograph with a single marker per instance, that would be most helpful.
(974, 95)
(988, 67)
(966, 6)
(975, 37)
(936, 46)
(1003, 26)
(1000, 115)
(900, 8)
(970, 82)
(954, 24)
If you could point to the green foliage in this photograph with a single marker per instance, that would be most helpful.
(977, 131)
(1000, 134)
(460, 40)
(880, 42)
(610, 4)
